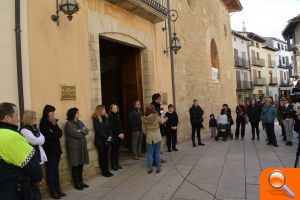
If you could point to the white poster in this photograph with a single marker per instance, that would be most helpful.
(215, 75)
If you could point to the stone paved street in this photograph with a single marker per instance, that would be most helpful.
(230, 170)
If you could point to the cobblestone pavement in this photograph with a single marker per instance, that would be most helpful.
(229, 170)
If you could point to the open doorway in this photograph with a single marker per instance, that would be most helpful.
(121, 77)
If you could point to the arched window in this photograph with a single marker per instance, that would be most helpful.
(214, 56)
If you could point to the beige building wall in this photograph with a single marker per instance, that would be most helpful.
(69, 55)
(8, 66)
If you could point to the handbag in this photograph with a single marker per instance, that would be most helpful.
(27, 190)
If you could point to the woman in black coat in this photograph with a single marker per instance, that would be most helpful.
(254, 112)
(171, 128)
(52, 134)
(102, 138)
(117, 136)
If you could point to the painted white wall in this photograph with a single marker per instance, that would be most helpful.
(8, 68)
(240, 45)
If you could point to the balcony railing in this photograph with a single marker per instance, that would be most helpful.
(284, 83)
(271, 63)
(258, 62)
(283, 66)
(273, 81)
(259, 81)
(244, 85)
(152, 10)
(241, 62)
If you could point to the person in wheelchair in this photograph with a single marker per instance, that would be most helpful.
(223, 126)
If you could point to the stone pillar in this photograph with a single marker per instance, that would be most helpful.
(94, 49)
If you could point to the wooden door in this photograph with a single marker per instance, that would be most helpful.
(131, 82)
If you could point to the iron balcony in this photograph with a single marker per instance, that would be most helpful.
(151, 10)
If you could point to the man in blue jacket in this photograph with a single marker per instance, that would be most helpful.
(268, 116)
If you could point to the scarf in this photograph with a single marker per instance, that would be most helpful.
(53, 120)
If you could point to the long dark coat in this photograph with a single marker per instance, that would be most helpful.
(76, 143)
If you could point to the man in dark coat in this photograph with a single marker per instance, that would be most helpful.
(135, 127)
(20, 171)
(196, 118)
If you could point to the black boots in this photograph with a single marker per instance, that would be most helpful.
(54, 194)
(194, 143)
(200, 143)
(76, 179)
(60, 193)
(80, 178)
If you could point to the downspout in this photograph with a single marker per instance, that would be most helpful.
(171, 54)
(19, 56)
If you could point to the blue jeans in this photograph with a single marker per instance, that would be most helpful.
(153, 148)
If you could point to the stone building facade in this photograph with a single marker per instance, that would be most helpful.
(291, 34)
(112, 53)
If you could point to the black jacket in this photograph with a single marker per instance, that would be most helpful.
(213, 122)
(172, 120)
(135, 120)
(196, 115)
(52, 135)
(254, 113)
(157, 107)
(288, 112)
(116, 125)
(102, 131)
(11, 175)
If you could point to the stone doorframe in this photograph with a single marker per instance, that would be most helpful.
(147, 64)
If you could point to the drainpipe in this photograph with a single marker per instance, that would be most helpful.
(19, 56)
(171, 54)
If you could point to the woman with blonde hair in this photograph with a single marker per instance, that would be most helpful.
(35, 138)
(103, 137)
(151, 128)
(30, 131)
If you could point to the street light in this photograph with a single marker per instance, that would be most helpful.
(69, 7)
(175, 43)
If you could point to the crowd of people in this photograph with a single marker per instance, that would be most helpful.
(35, 145)
(266, 112)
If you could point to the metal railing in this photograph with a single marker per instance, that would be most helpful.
(271, 63)
(273, 81)
(284, 83)
(241, 62)
(259, 81)
(159, 5)
(283, 66)
(258, 62)
(244, 85)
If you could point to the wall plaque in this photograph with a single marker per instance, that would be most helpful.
(67, 92)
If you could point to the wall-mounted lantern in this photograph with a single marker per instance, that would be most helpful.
(173, 43)
(69, 7)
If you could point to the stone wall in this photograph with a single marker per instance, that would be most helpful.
(198, 24)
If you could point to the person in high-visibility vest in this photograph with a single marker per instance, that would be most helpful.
(20, 171)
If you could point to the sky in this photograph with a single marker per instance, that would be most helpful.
(267, 18)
